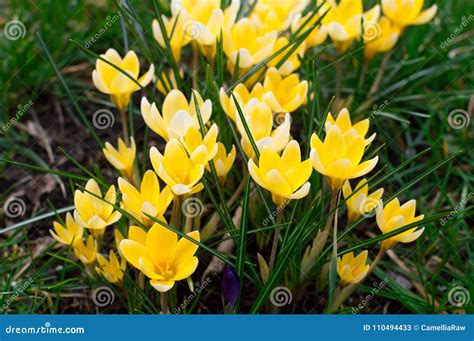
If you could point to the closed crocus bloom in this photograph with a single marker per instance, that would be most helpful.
(178, 114)
(259, 119)
(292, 63)
(180, 171)
(94, 211)
(148, 201)
(163, 258)
(111, 269)
(204, 20)
(343, 121)
(361, 202)
(174, 31)
(69, 233)
(86, 253)
(222, 161)
(271, 15)
(343, 21)
(408, 12)
(339, 156)
(317, 36)
(284, 94)
(122, 158)
(245, 43)
(113, 82)
(352, 270)
(285, 176)
(384, 40)
(242, 95)
(194, 139)
(167, 81)
(393, 216)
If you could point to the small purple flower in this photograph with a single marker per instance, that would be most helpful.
(230, 285)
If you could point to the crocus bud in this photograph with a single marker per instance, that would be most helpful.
(230, 285)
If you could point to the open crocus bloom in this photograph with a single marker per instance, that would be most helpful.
(68, 234)
(361, 202)
(122, 158)
(94, 211)
(259, 119)
(343, 21)
(178, 114)
(113, 82)
(408, 12)
(180, 171)
(244, 43)
(393, 216)
(352, 270)
(194, 139)
(271, 15)
(163, 258)
(111, 269)
(175, 32)
(86, 253)
(242, 95)
(384, 41)
(149, 200)
(284, 94)
(339, 156)
(284, 176)
(343, 121)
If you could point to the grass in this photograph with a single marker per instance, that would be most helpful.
(408, 94)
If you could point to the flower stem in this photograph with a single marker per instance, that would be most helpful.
(164, 303)
(176, 213)
(123, 118)
(276, 238)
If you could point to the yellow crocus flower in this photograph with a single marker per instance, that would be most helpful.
(271, 15)
(94, 211)
(339, 156)
(137, 234)
(285, 176)
(343, 121)
(175, 31)
(284, 94)
(148, 200)
(69, 233)
(245, 43)
(393, 216)
(385, 39)
(194, 139)
(113, 82)
(316, 37)
(222, 161)
(168, 82)
(180, 171)
(122, 158)
(343, 21)
(352, 270)
(204, 20)
(111, 269)
(163, 258)
(86, 253)
(361, 202)
(259, 119)
(242, 95)
(178, 114)
(292, 63)
(408, 12)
